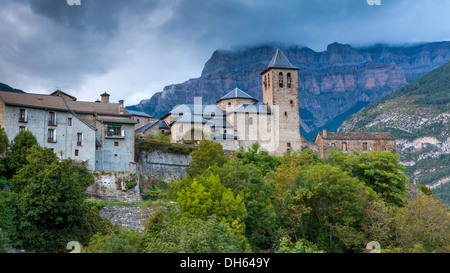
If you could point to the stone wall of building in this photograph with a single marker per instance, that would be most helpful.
(116, 152)
(65, 135)
(163, 165)
(350, 146)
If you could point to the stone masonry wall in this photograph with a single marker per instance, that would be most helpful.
(163, 165)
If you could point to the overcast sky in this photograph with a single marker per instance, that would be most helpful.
(133, 48)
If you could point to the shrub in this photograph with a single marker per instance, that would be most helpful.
(5, 243)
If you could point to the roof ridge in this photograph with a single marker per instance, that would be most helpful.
(279, 60)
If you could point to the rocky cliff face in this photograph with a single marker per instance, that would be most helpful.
(333, 84)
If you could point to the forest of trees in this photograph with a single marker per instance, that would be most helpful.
(244, 202)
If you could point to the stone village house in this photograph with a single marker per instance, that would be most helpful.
(349, 142)
(99, 134)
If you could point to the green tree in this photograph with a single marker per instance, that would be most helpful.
(121, 241)
(50, 199)
(5, 243)
(248, 181)
(4, 142)
(208, 154)
(282, 180)
(422, 225)
(301, 246)
(206, 196)
(379, 170)
(260, 158)
(328, 199)
(17, 154)
(176, 234)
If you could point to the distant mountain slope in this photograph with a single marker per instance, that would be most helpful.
(332, 84)
(5, 87)
(418, 114)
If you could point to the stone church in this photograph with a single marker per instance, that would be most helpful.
(239, 120)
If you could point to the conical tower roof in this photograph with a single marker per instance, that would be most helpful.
(279, 60)
(236, 93)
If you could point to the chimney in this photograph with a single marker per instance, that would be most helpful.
(105, 97)
(324, 133)
(121, 107)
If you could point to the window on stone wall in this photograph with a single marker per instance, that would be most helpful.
(333, 145)
(250, 120)
(51, 118)
(76, 152)
(116, 143)
(23, 115)
(365, 147)
(289, 80)
(280, 79)
(22, 128)
(51, 137)
(79, 139)
(69, 122)
(344, 146)
(114, 130)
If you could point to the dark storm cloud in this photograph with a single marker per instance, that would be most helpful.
(133, 48)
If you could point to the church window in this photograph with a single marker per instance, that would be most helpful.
(265, 81)
(289, 80)
(280, 79)
(292, 102)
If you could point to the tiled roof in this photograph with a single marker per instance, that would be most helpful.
(257, 107)
(189, 118)
(145, 127)
(96, 107)
(54, 102)
(161, 123)
(279, 60)
(358, 136)
(33, 100)
(117, 120)
(235, 94)
(199, 109)
(139, 113)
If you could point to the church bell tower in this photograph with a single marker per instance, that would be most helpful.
(280, 94)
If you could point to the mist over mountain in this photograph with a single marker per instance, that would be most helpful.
(333, 84)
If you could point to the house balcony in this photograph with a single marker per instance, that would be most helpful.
(51, 123)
